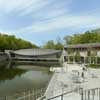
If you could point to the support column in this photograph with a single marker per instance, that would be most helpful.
(84, 60)
(90, 60)
(96, 59)
(73, 59)
(63, 59)
(68, 58)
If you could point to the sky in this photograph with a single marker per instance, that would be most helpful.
(41, 20)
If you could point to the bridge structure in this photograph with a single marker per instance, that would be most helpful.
(37, 56)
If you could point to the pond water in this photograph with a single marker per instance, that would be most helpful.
(20, 77)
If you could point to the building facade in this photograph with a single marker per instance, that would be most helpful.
(83, 53)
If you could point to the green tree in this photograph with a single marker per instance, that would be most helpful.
(11, 42)
(87, 37)
(58, 45)
(49, 45)
(77, 56)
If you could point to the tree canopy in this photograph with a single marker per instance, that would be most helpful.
(79, 38)
(87, 37)
(11, 42)
(51, 44)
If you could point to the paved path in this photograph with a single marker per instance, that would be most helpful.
(66, 81)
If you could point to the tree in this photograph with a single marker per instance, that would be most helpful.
(67, 39)
(77, 56)
(11, 42)
(87, 37)
(49, 45)
(58, 45)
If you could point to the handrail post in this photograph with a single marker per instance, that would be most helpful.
(88, 94)
(99, 93)
(24, 95)
(6, 98)
(81, 93)
(62, 97)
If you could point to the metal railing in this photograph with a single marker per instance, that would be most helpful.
(89, 94)
(60, 95)
(32, 94)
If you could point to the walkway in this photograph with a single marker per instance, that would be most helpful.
(63, 82)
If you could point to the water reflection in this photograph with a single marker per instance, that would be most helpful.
(19, 77)
(9, 74)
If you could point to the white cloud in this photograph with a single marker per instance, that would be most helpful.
(62, 22)
(34, 7)
(20, 6)
(49, 16)
(30, 7)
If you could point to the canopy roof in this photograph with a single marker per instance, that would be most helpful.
(36, 52)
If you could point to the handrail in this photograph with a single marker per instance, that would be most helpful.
(60, 95)
(82, 91)
(41, 98)
(26, 94)
(31, 94)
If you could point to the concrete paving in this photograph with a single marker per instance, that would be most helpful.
(69, 78)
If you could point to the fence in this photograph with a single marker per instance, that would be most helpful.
(32, 94)
(89, 94)
(60, 96)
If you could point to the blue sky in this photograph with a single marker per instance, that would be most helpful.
(41, 20)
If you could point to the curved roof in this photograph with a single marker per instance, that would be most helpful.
(36, 52)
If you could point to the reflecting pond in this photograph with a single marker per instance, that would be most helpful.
(19, 77)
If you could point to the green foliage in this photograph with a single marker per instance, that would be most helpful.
(89, 53)
(10, 73)
(70, 51)
(94, 65)
(87, 37)
(49, 45)
(58, 45)
(77, 56)
(11, 42)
